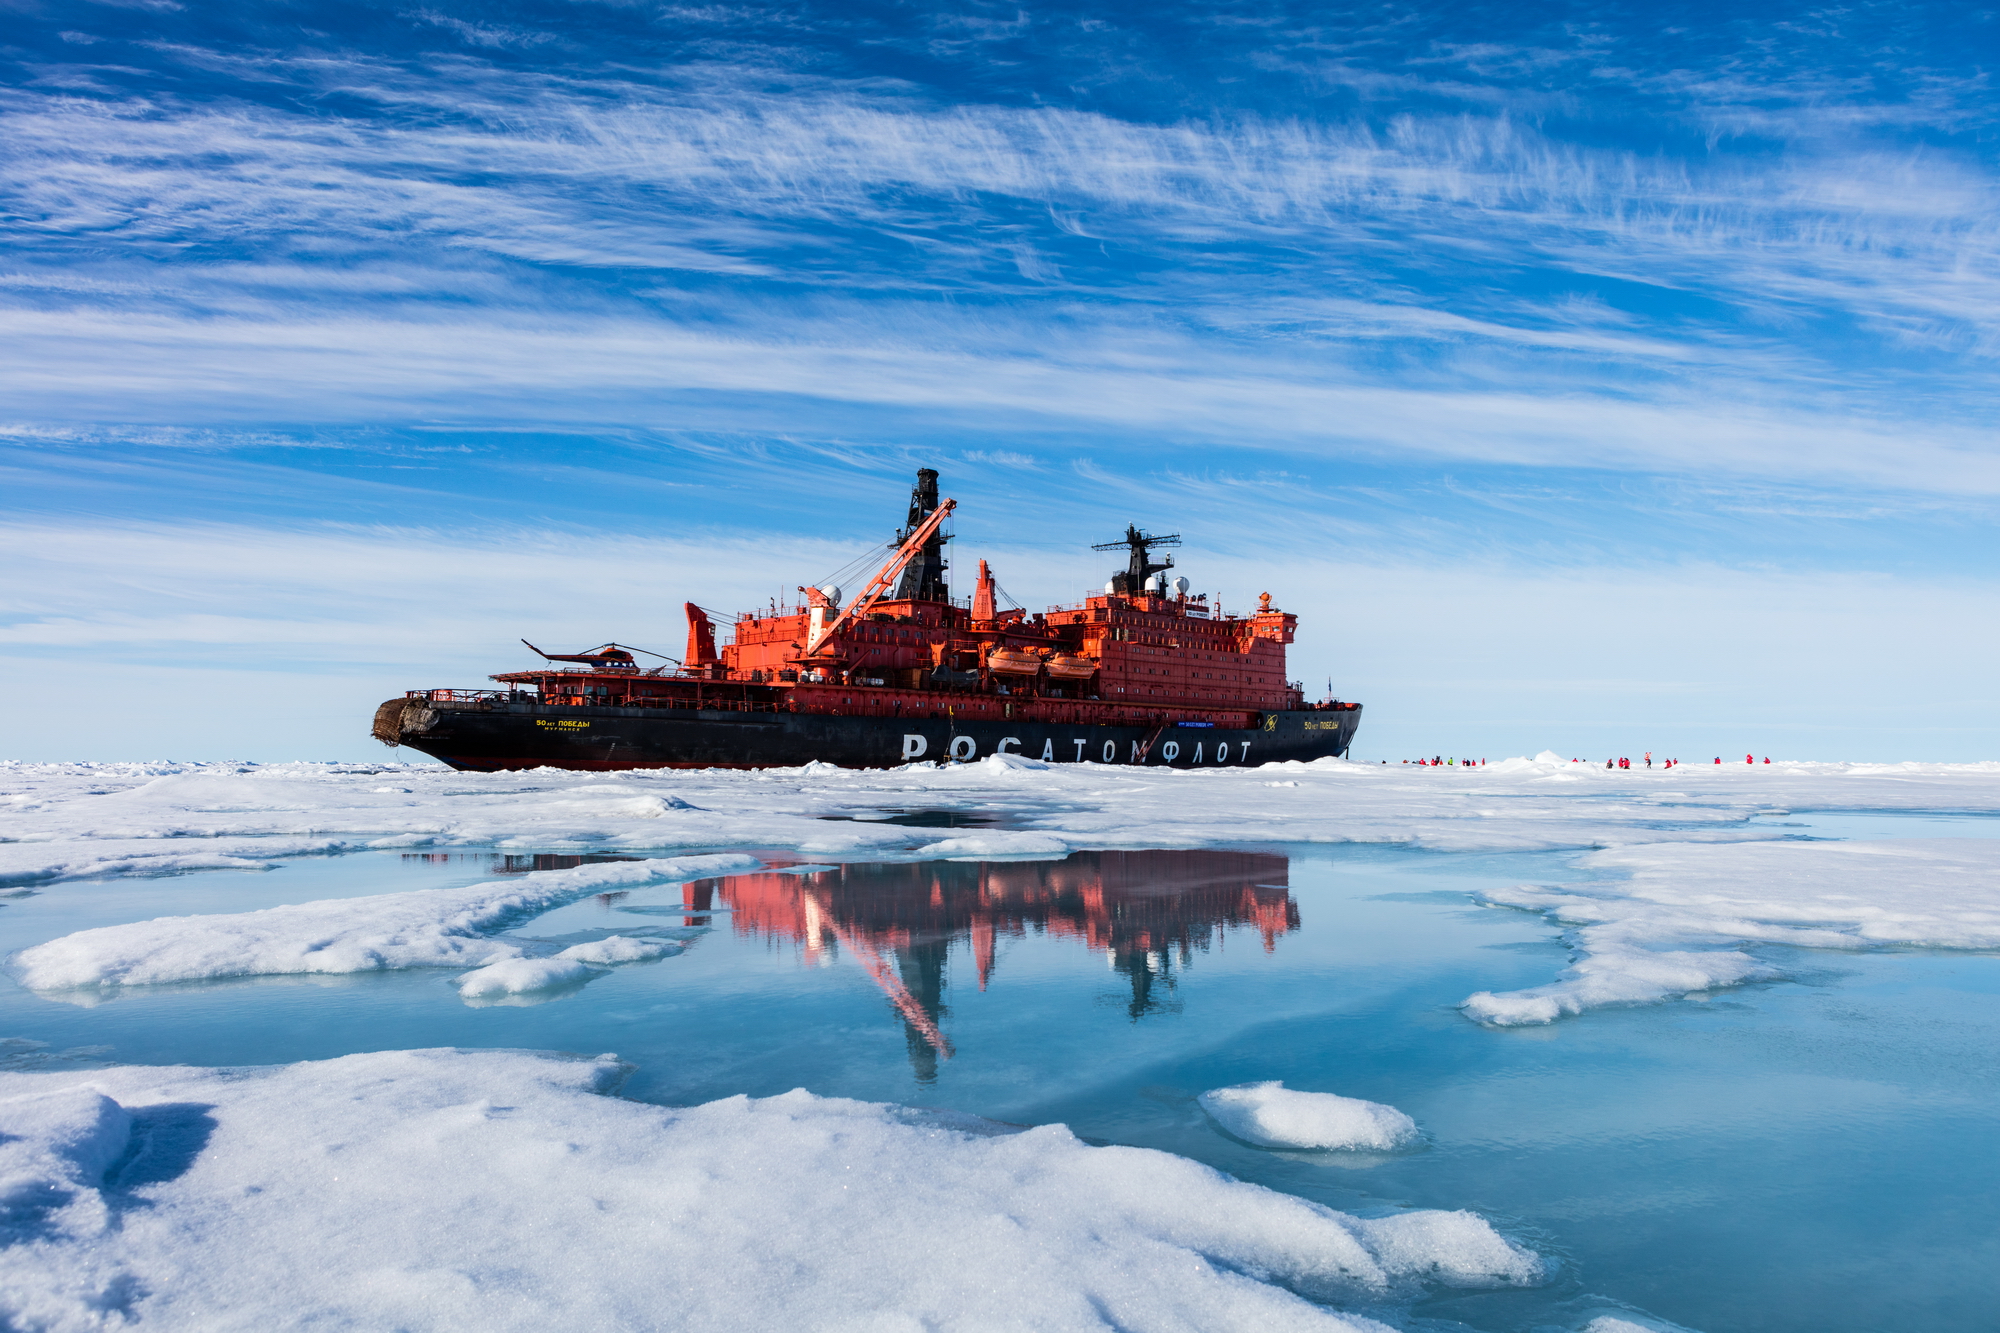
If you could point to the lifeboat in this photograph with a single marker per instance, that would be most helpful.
(1064, 667)
(1011, 662)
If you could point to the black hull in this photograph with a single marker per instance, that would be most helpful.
(524, 735)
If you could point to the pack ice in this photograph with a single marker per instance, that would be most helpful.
(76, 821)
(422, 928)
(1639, 938)
(1672, 921)
(503, 1190)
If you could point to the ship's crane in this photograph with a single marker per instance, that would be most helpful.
(1138, 568)
(885, 578)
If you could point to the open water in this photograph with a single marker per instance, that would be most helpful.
(1809, 1156)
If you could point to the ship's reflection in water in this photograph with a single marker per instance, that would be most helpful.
(1149, 912)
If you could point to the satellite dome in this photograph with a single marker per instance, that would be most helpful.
(832, 592)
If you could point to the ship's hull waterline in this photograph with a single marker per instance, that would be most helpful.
(528, 735)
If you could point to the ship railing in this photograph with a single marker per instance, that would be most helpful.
(468, 696)
(487, 698)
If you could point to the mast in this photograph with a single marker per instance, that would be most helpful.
(923, 579)
(1138, 567)
(877, 590)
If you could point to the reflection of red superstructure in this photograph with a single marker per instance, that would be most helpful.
(1146, 910)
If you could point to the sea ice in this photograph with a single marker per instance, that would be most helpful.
(424, 928)
(1638, 940)
(1611, 1323)
(76, 821)
(1271, 1115)
(519, 976)
(621, 949)
(501, 1190)
(1671, 925)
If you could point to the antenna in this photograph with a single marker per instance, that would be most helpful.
(1138, 567)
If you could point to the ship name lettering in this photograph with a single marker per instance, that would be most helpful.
(1243, 751)
(1221, 752)
(1197, 753)
(971, 747)
(1048, 750)
(1006, 741)
(914, 746)
(559, 722)
(1111, 752)
(1079, 750)
(1170, 751)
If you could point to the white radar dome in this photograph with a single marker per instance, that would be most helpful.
(831, 592)
(1181, 587)
(1111, 587)
(1157, 584)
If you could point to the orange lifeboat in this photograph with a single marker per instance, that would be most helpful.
(1012, 662)
(1064, 667)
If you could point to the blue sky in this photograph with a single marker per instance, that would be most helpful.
(1599, 377)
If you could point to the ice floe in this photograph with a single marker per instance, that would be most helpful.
(1271, 1115)
(422, 928)
(503, 1190)
(621, 949)
(75, 821)
(1742, 879)
(519, 976)
(1674, 919)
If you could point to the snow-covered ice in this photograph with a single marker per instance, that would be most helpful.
(504, 1190)
(1271, 1115)
(579, 962)
(424, 928)
(621, 949)
(73, 821)
(519, 976)
(1611, 1323)
(542, 1202)
(1639, 939)
(1669, 924)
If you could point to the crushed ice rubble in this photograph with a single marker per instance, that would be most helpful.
(201, 1198)
(1687, 878)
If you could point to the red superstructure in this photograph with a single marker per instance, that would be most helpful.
(904, 671)
(1142, 650)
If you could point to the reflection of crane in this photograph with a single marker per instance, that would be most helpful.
(1145, 912)
(1138, 567)
(878, 967)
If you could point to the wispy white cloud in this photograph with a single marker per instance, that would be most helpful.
(482, 34)
(1124, 380)
(1299, 284)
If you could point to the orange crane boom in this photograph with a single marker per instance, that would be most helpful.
(885, 578)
